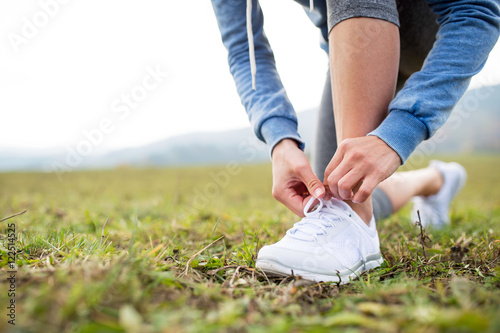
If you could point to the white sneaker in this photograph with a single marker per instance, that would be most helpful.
(330, 244)
(435, 209)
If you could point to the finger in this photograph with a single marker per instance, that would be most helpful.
(313, 184)
(365, 190)
(306, 200)
(334, 171)
(334, 178)
(293, 201)
(337, 158)
(328, 194)
(347, 184)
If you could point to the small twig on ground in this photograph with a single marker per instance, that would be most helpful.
(217, 270)
(339, 282)
(102, 234)
(9, 217)
(263, 274)
(198, 253)
(234, 276)
(422, 235)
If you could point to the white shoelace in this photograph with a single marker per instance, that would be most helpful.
(316, 222)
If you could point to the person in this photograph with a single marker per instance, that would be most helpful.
(376, 131)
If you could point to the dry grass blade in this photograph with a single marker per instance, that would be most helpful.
(234, 276)
(198, 253)
(102, 234)
(9, 217)
(422, 235)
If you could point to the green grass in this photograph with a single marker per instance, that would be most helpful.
(140, 273)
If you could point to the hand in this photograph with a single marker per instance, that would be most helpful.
(293, 178)
(358, 166)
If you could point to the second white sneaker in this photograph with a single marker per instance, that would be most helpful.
(330, 244)
(435, 210)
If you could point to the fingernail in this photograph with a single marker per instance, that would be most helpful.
(318, 193)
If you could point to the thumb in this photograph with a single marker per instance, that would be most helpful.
(313, 184)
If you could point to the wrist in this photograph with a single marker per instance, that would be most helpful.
(284, 145)
(390, 150)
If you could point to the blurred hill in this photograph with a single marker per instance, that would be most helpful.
(474, 127)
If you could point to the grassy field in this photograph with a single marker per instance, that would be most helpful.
(173, 251)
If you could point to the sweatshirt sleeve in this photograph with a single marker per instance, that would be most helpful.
(468, 32)
(270, 112)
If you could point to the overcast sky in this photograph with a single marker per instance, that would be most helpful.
(70, 72)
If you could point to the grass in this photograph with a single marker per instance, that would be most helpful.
(167, 260)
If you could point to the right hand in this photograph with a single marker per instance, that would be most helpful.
(360, 164)
(293, 179)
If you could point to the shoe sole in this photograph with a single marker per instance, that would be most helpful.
(275, 269)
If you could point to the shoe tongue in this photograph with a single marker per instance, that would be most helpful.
(305, 231)
(351, 213)
(313, 223)
(338, 204)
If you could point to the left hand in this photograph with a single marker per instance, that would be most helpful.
(358, 166)
(293, 179)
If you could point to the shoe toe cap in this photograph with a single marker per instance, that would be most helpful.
(309, 260)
